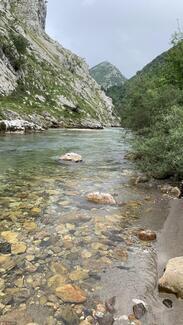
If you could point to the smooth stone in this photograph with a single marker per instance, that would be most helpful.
(67, 315)
(6, 263)
(5, 248)
(71, 156)
(43, 300)
(70, 293)
(107, 319)
(18, 248)
(2, 284)
(58, 268)
(21, 296)
(56, 281)
(30, 226)
(36, 211)
(99, 246)
(168, 303)
(101, 198)
(172, 279)
(10, 236)
(79, 275)
(147, 235)
(139, 310)
(86, 254)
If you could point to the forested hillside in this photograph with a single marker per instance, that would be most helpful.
(151, 103)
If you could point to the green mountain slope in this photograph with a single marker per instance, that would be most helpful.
(107, 75)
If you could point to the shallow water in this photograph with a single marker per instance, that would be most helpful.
(68, 232)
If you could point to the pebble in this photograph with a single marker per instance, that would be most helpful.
(70, 293)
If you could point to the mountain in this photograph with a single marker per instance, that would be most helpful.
(107, 75)
(41, 81)
(119, 92)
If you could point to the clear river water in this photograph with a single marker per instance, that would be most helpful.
(57, 237)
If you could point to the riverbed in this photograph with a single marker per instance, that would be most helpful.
(59, 238)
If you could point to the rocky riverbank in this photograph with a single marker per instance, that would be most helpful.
(12, 122)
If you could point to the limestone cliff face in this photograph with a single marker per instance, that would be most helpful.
(31, 13)
(39, 78)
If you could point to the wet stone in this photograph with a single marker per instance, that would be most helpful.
(5, 248)
(147, 235)
(71, 293)
(168, 303)
(10, 236)
(139, 310)
(19, 248)
(67, 314)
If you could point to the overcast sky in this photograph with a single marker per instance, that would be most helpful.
(127, 33)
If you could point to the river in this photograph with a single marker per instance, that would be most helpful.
(59, 237)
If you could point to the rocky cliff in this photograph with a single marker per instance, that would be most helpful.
(107, 75)
(40, 81)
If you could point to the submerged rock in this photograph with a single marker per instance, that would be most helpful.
(10, 236)
(6, 263)
(72, 294)
(67, 314)
(71, 156)
(5, 248)
(147, 235)
(18, 248)
(101, 198)
(172, 279)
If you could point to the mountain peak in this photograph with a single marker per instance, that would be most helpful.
(107, 75)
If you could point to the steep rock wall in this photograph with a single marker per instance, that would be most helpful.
(38, 76)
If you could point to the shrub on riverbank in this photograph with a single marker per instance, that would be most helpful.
(152, 105)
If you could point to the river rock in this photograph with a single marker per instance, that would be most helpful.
(101, 198)
(78, 275)
(67, 314)
(6, 263)
(56, 281)
(168, 303)
(19, 125)
(141, 179)
(2, 284)
(30, 226)
(168, 189)
(5, 248)
(139, 310)
(172, 279)
(71, 156)
(147, 235)
(70, 293)
(18, 248)
(10, 236)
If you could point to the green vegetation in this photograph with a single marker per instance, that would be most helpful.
(107, 75)
(151, 104)
(14, 48)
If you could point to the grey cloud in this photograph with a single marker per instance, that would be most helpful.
(128, 33)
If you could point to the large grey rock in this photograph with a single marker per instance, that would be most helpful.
(20, 126)
(172, 279)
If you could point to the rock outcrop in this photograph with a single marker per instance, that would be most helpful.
(39, 78)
